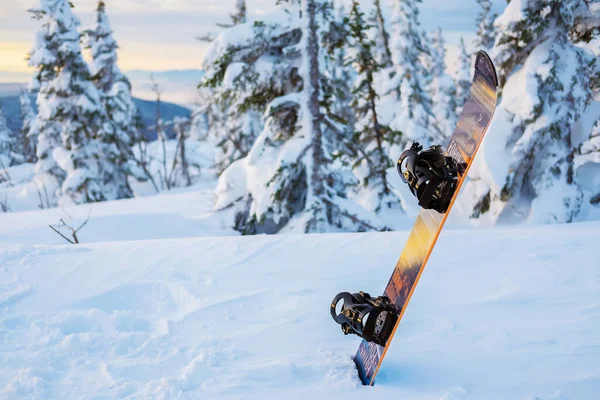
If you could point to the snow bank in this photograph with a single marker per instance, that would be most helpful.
(247, 317)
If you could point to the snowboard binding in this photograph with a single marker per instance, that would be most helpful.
(373, 319)
(431, 176)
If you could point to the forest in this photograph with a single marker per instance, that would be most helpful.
(307, 109)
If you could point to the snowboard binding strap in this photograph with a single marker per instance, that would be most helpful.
(431, 176)
(373, 319)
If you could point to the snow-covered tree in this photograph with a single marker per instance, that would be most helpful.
(486, 33)
(587, 158)
(239, 16)
(45, 59)
(408, 48)
(27, 138)
(372, 140)
(232, 104)
(6, 143)
(463, 76)
(341, 75)
(547, 89)
(180, 170)
(586, 33)
(382, 53)
(121, 131)
(442, 86)
(70, 115)
(289, 173)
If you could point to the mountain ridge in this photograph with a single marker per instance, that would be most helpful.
(9, 102)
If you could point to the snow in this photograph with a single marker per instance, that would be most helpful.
(232, 185)
(175, 214)
(163, 299)
(189, 315)
(22, 192)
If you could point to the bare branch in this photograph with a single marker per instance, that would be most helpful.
(41, 195)
(84, 222)
(209, 37)
(4, 205)
(3, 170)
(58, 231)
(56, 228)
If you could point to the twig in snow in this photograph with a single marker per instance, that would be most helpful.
(62, 223)
(42, 205)
(4, 205)
(4, 175)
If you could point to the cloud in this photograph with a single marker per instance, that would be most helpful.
(163, 33)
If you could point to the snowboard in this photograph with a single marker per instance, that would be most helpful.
(468, 135)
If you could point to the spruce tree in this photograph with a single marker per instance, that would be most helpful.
(463, 77)
(372, 139)
(232, 105)
(585, 33)
(589, 153)
(415, 119)
(45, 58)
(342, 73)
(383, 53)
(6, 143)
(486, 33)
(535, 51)
(121, 133)
(290, 174)
(180, 170)
(239, 16)
(27, 138)
(70, 114)
(442, 87)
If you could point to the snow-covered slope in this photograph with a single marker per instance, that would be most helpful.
(499, 314)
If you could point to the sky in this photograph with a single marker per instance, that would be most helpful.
(160, 35)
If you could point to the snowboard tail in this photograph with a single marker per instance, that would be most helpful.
(464, 143)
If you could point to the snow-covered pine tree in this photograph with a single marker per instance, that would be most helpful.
(70, 114)
(232, 104)
(288, 174)
(44, 57)
(180, 170)
(27, 138)
(382, 53)
(341, 77)
(120, 134)
(239, 16)
(586, 33)
(588, 165)
(415, 119)
(6, 143)
(546, 80)
(486, 33)
(372, 139)
(442, 86)
(463, 76)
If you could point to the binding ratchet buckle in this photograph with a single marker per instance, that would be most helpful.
(372, 318)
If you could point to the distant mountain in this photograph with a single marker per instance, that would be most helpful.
(168, 111)
(9, 101)
(178, 86)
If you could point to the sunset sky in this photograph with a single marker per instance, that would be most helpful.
(161, 34)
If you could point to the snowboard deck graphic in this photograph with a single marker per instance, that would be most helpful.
(472, 125)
